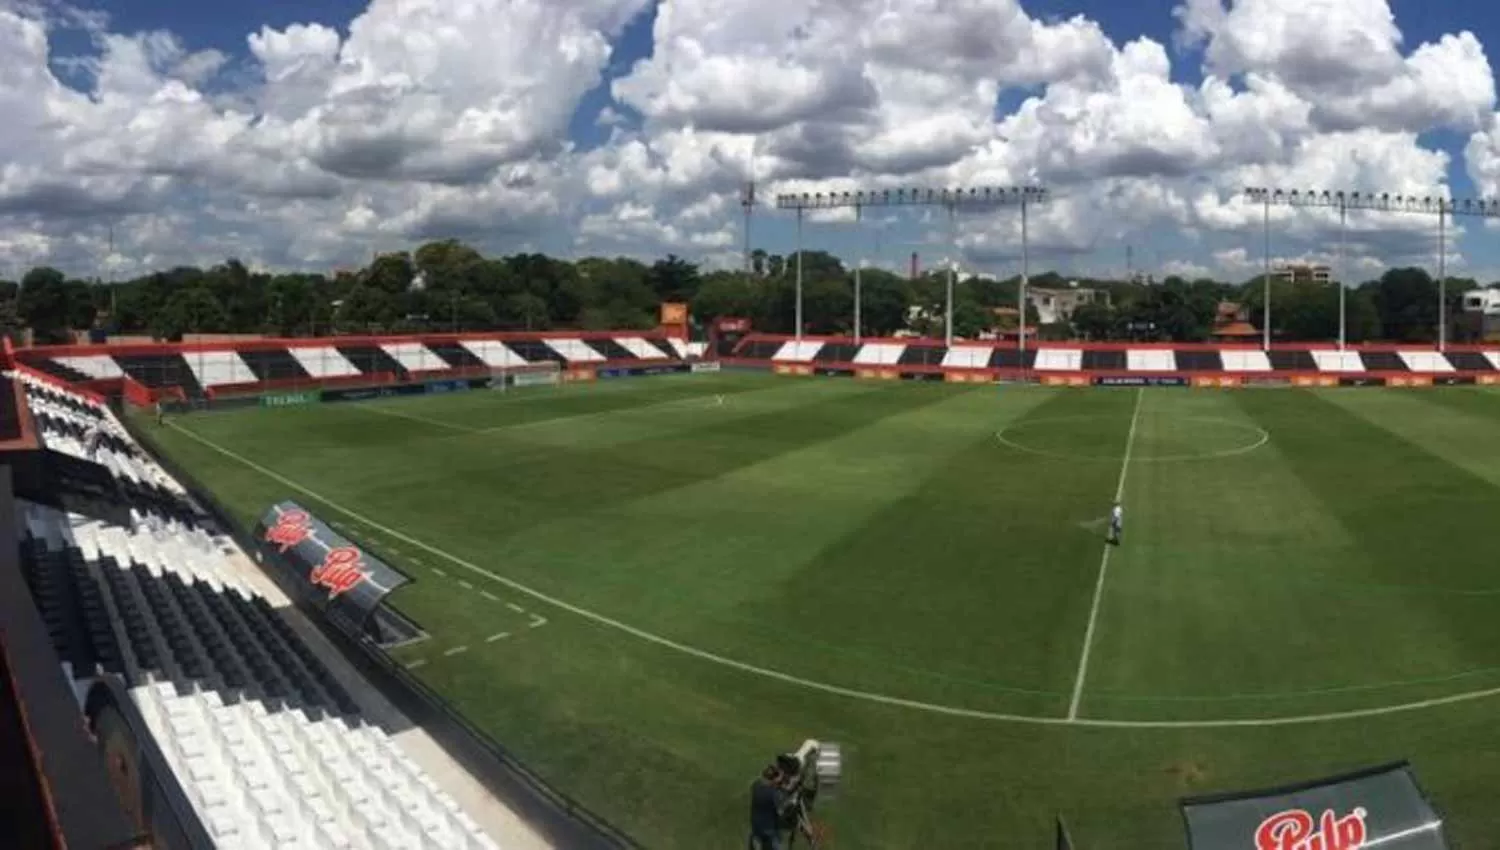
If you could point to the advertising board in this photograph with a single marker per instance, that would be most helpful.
(1361, 381)
(367, 393)
(1140, 381)
(534, 379)
(446, 386)
(709, 366)
(290, 399)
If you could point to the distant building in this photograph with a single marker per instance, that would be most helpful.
(1232, 323)
(1057, 305)
(1480, 320)
(1302, 273)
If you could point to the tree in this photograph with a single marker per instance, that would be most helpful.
(885, 300)
(190, 310)
(43, 304)
(526, 310)
(728, 294)
(1094, 321)
(1406, 301)
(674, 279)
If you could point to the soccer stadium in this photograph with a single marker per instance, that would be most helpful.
(696, 424)
(598, 579)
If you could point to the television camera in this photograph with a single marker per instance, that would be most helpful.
(810, 770)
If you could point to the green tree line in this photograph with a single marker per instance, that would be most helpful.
(447, 285)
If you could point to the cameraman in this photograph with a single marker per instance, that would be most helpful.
(768, 803)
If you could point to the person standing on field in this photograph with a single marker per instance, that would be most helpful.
(1116, 524)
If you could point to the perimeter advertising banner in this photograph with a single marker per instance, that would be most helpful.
(339, 575)
(1382, 807)
(1141, 381)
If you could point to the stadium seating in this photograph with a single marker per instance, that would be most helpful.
(917, 357)
(269, 747)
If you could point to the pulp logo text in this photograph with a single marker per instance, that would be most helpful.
(1296, 829)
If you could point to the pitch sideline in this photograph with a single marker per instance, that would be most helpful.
(824, 687)
(1088, 634)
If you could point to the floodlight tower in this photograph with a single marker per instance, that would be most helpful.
(953, 200)
(747, 203)
(1442, 207)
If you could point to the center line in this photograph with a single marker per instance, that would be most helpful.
(1088, 635)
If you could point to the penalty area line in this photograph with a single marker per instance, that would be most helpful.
(1088, 635)
(825, 687)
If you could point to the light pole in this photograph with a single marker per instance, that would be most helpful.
(1378, 202)
(859, 295)
(953, 200)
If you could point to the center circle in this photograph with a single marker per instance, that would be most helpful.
(1167, 438)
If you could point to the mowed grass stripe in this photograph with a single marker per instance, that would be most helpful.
(651, 551)
(1222, 549)
(1175, 606)
(491, 486)
(1393, 500)
(664, 744)
(981, 575)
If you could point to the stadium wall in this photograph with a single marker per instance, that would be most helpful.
(563, 820)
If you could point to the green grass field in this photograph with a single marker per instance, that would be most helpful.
(655, 591)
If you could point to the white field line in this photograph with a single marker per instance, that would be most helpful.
(497, 636)
(839, 690)
(412, 665)
(455, 650)
(490, 596)
(1088, 635)
(465, 585)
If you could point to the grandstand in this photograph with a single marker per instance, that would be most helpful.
(227, 716)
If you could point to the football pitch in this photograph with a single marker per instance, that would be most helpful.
(646, 588)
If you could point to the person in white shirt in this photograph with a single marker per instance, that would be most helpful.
(1116, 523)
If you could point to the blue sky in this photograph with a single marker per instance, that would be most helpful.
(225, 26)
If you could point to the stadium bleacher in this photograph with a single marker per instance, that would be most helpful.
(1364, 364)
(269, 747)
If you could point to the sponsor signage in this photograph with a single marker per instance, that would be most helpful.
(575, 375)
(921, 376)
(1266, 382)
(1453, 380)
(710, 366)
(968, 377)
(290, 399)
(337, 575)
(447, 386)
(1382, 808)
(1140, 381)
(792, 369)
(534, 379)
(836, 373)
(674, 313)
(367, 393)
(1362, 381)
